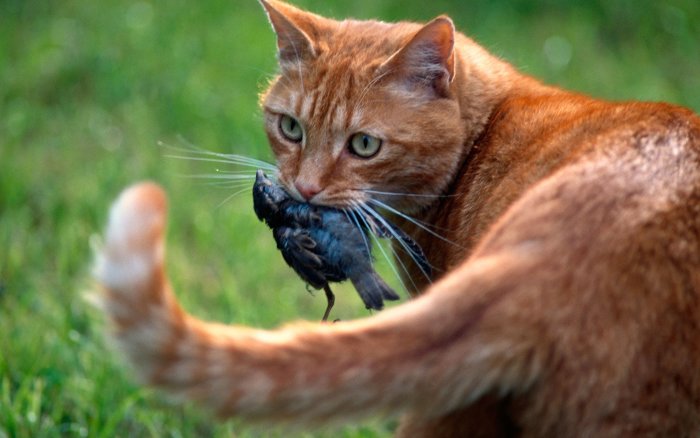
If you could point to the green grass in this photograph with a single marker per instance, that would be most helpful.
(87, 89)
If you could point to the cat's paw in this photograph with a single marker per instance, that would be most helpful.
(133, 247)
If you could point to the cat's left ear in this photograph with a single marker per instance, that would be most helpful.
(428, 59)
(295, 29)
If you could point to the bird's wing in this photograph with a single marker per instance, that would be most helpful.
(297, 248)
(391, 231)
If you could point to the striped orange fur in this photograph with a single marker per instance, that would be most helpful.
(568, 302)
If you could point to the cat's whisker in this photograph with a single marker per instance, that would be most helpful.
(360, 209)
(403, 268)
(390, 228)
(194, 153)
(242, 160)
(268, 74)
(230, 183)
(227, 182)
(242, 172)
(229, 177)
(413, 221)
(417, 195)
(426, 224)
(233, 195)
(255, 165)
(238, 180)
(191, 148)
(351, 217)
(417, 221)
(371, 83)
(233, 172)
(381, 249)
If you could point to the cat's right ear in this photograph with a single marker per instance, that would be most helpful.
(293, 28)
(427, 60)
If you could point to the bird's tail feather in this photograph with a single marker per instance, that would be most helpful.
(373, 290)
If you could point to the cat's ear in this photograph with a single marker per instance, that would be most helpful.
(428, 59)
(295, 29)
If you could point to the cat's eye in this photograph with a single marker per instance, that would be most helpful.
(364, 145)
(291, 129)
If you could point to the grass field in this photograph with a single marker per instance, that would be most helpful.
(88, 89)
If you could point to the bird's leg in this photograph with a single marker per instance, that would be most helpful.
(331, 300)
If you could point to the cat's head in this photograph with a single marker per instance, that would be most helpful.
(363, 109)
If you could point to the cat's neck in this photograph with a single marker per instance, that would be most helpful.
(484, 85)
(482, 82)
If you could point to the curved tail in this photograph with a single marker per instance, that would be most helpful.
(431, 355)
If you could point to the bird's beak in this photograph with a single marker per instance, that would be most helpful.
(259, 176)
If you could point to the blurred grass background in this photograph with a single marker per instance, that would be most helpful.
(87, 89)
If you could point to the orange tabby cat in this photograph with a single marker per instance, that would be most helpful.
(568, 303)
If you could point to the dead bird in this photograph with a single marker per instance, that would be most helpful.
(323, 245)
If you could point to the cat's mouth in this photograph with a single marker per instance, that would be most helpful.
(294, 193)
(320, 199)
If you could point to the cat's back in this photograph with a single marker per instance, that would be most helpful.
(609, 233)
(606, 200)
(529, 139)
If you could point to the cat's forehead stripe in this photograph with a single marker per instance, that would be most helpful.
(349, 91)
(306, 104)
(317, 90)
(330, 100)
(313, 101)
(297, 100)
(326, 99)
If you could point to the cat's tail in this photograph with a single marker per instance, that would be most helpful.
(431, 355)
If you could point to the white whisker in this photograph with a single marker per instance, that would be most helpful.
(238, 180)
(419, 222)
(362, 207)
(370, 85)
(405, 247)
(197, 154)
(376, 240)
(351, 217)
(228, 177)
(268, 167)
(403, 268)
(233, 195)
(419, 195)
(413, 221)
(232, 172)
(229, 184)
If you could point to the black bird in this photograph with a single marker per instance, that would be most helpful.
(322, 244)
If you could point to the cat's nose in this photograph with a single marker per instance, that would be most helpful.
(307, 190)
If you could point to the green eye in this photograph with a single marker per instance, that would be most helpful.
(291, 129)
(364, 145)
